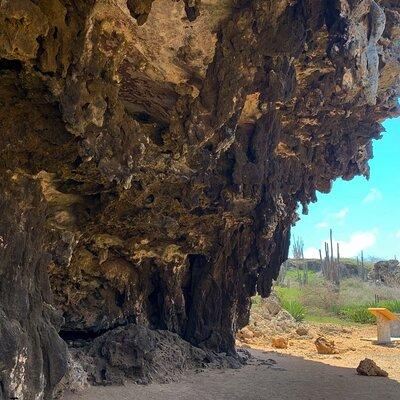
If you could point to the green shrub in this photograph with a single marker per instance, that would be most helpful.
(392, 305)
(287, 293)
(295, 309)
(359, 312)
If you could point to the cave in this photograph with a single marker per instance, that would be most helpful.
(153, 154)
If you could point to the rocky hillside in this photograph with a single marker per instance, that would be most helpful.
(347, 267)
(152, 154)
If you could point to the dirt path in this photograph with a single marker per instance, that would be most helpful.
(286, 378)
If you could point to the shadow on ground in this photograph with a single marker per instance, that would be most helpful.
(284, 378)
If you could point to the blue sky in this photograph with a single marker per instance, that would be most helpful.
(364, 215)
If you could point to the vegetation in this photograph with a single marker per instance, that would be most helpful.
(256, 301)
(320, 300)
(298, 248)
(330, 261)
(359, 312)
(295, 309)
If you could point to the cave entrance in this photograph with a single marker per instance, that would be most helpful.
(343, 260)
(344, 253)
(363, 214)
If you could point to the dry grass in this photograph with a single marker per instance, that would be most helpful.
(350, 301)
(355, 291)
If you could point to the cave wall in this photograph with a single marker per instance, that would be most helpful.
(159, 149)
(32, 355)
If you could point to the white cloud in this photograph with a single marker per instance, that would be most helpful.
(311, 252)
(357, 242)
(397, 234)
(373, 195)
(321, 225)
(341, 214)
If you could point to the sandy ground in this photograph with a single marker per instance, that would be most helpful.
(350, 342)
(297, 373)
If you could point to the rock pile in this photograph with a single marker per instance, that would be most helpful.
(143, 355)
(268, 319)
(271, 318)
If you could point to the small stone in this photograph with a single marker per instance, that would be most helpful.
(302, 331)
(368, 367)
(271, 304)
(325, 346)
(257, 334)
(245, 333)
(280, 342)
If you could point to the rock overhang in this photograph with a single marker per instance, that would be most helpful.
(170, 143)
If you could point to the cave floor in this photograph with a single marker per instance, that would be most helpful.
(291, 377)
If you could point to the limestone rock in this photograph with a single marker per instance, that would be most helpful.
(271, 305)
(164, 147)
(271, 319)
(325, 346)
(142, 355)
(33, 358)
(368, 367)
(75, 379)
(280, 342)
(245, 333)
(302, 330)
(387, 272)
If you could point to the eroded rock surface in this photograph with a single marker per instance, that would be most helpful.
(387, 272)
(32, 355)
(368, 367)
(143, 355)
(325, 346)
(171, 142)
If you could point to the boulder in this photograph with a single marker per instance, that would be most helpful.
(368, 367)
(271, 305)
(280, 342)
(302, 330)
(245, 333)
(325, 346)
(139, 354)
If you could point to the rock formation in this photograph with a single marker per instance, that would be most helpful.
(368, 367)
(153, 154)
(386, 272)
(325, 346)
(143, 355)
